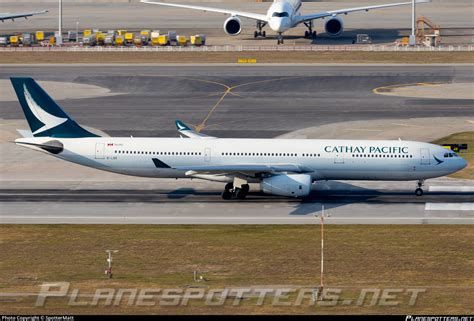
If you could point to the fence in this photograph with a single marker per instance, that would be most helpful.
(374, 48)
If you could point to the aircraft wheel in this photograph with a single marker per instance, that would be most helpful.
(242, 192)
(314, 34)
(227, 194)
(255, 34)
(264, 34)
(419, 192)
(306, 34)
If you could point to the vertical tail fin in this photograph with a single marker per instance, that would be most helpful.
(45, 117)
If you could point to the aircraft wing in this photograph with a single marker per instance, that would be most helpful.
(333, 13)
(236, 168)
(183, 129)
(13, 16)
(254, 16)
(244, 168)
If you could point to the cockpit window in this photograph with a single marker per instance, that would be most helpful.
(445, 155)
(281, 14)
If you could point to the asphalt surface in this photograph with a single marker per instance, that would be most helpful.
(264, 101)
(267, 102)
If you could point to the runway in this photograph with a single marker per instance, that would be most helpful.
(347, 202)
(233, 101)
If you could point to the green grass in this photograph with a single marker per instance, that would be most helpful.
(438, 257)
(462, 138)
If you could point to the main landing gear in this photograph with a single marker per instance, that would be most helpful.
(419, 190)
(260, 32)
(231, 192)
(310, 34)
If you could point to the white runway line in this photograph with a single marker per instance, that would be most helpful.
(224, 218)
(449, 207)
(451, 189)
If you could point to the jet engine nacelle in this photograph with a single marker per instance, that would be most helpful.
(334, 27)
(293, 185)
(233, 26)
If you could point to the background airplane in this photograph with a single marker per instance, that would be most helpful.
(285, 167)
(284, 15)
(13, 16)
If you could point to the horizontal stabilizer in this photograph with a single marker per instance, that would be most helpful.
(52, 146)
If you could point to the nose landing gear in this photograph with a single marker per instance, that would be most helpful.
(419, 190)
(280, 39)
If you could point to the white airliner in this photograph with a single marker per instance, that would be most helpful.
(284, 15)
(283, 167)
(13, 16)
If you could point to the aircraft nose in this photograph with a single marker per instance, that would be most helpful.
(279, 24)
(462, 163)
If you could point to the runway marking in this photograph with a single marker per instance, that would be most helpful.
(449, 207)
(309, 218)
(451, 188)
(406, 125)
(364, 129)
(382, 89)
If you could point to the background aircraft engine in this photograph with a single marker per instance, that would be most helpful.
(334, 27)
(233, 26)
(293, 185)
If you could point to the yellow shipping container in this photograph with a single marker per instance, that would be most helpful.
(87, 33)
(155, 41)
(99, 36)
(39, 35)
(196, 40)
(163, 40)
(129, 36)
(14, 40)
(121, 32)
(119, 40)
(52, 40)
(145, 33)
(181, 40)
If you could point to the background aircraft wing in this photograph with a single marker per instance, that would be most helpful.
(324, 14)
(12, 16)
(254, 16)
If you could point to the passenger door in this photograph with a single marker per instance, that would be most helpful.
(99, 150)
(339, 158)
(424, 156)
(207, 155)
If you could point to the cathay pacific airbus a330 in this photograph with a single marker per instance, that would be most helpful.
(285, 167)
(284, 15)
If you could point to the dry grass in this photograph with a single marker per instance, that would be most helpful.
(440, 258)
(462, 138)
(232, 57)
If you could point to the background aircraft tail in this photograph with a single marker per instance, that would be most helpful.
(45, 117)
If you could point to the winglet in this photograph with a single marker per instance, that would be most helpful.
(181, 126)
(188, 132)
